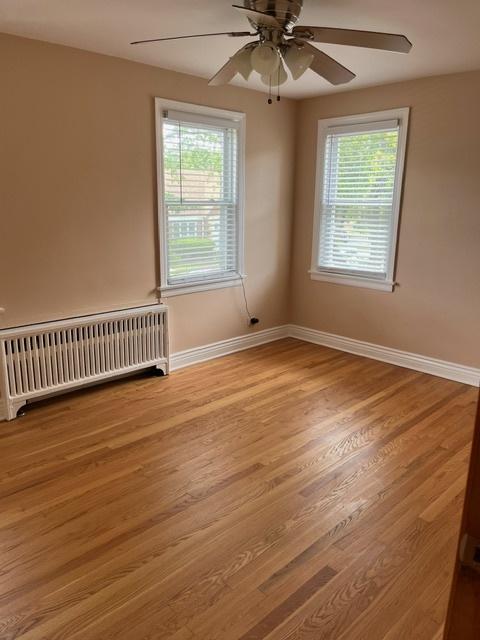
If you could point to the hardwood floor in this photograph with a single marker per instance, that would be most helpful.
(285, 492)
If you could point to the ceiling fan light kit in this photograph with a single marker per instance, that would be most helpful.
(298, 59)
(243, 62)
(265, 58)
(279, 40)
(277, 78)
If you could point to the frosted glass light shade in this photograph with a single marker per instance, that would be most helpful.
(277, 78)
(243, 62)
(298, 59)
(265, 59)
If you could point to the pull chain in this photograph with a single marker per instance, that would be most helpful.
(270, 100)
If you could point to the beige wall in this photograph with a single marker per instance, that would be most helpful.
(435, 310)
(77, 192)
(78, 209)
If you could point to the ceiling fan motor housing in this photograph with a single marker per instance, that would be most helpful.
(287, 12)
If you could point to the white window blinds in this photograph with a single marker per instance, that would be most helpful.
(200, 197)
(358, 199)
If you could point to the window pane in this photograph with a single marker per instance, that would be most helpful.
(357, 211)
(201, 240)
(200, 199)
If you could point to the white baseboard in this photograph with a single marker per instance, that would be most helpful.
(224, 347)
(433, 366)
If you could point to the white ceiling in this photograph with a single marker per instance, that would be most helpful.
(445, 34)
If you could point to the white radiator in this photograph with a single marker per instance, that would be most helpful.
(40, 359)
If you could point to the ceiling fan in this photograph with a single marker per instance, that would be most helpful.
(280, 41)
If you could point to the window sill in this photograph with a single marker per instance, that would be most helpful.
(183, 289)
(353, 281)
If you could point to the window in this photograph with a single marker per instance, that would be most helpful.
(359, 177)
(200, 159)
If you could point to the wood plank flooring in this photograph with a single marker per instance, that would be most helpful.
(286, 492)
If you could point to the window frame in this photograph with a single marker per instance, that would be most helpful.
(206, 114)
(351, 278)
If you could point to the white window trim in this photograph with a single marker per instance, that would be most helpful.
(352, 279)
(215, 282)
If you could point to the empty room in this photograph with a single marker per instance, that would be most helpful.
(239, 320)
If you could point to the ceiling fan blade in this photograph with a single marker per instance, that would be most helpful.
(259, 18)
(354, 38)
(232, 34)
(224, 75)
(327, 67)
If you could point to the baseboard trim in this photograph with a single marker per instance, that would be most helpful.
(196, 355)
(433, 366)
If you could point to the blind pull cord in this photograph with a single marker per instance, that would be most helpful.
(180, 160)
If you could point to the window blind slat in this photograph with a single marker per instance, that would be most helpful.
(357, 209)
